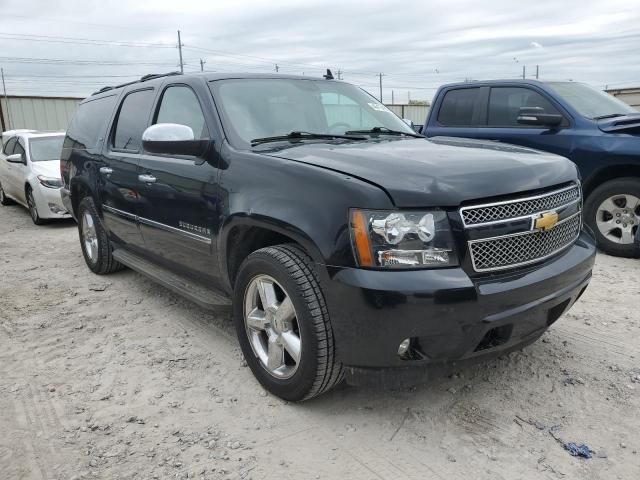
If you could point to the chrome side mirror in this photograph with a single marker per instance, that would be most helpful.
(172, 139)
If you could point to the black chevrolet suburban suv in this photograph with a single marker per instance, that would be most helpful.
(345, 243)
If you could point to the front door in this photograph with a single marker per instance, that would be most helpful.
(179, 194)
(118, 171)
(18, 173)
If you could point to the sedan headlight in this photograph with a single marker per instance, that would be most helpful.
(402, 239)
(50, 182)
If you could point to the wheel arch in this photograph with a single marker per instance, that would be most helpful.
(610, 173)
(242, 235)
(79, 189)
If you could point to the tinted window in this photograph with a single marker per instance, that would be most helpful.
(457, 107)
(133, 119)
(19, 149)
(505, 103)
(45, 148)
(180, 105)
(90, 122)
(9, 146)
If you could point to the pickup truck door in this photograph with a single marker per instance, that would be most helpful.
(502, 110)
(118, 170)
(179, 207)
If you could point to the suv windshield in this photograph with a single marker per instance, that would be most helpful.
(45, 148)
(272, 107)
(590, 102)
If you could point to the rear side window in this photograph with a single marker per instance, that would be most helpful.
(458, 106)
(180, 105)
(505, 104)
(9, 146)
(133, 119)
(90, 122)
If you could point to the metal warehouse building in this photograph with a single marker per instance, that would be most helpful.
(37, 113)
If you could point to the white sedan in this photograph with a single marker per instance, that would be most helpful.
(30, 173)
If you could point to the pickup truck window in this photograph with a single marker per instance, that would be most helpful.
(590, 102)
(132, 120)
(268, 107)
(458, 106)
(505, 104)
(180, 105)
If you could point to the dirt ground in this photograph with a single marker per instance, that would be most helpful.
(115, 377)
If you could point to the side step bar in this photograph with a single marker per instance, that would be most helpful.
(194, 291)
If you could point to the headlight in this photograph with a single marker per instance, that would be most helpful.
(50, 182)
(402, 239)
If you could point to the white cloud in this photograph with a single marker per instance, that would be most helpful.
(536, 45)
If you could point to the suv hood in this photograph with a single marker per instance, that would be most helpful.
(437, 172)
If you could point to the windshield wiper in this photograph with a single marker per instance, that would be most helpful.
(383, 131)
(303, 136)
(611, 115)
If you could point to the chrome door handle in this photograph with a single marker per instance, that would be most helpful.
(106, 170)
(147, 178)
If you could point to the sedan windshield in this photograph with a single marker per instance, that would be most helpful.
(42, 149)
(589, 102)
(275, 107)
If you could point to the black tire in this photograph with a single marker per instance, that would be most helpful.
(318, 369)
(103, 261)
(619, 186)
(33, 208)
(4, 200)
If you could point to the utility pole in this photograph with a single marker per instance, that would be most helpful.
(180, 45)
(537, 71)
(408, 97)
(6, 100)
(277, 68)
(523, 72)
(339, 74)
(202, 62)
(381, 75)
(392, 99)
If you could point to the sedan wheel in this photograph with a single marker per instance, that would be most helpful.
(618, 218)
(272, 326)
(33, 209)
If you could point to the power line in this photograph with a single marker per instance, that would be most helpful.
(80, 41)
(63, 61)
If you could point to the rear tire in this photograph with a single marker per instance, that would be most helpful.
(33, 207)
(95, 244)
(304, 362)
(4, 200)
(612, 211)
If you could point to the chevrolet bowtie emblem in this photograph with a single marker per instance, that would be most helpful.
(546, 221)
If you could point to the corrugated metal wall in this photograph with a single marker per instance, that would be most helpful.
(37, 113)
(416, 113)
(630, 96)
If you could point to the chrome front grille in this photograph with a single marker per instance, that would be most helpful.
(527, 244)
(511, 209)
(523, 248)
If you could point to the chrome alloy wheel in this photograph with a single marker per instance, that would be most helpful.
(89, 237)
(618, 218)
(31, 203)
(272, 326)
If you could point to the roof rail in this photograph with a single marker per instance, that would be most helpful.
(144, 78)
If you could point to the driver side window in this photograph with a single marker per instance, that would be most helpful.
(9, 146)
(343, 114)
(505, 104)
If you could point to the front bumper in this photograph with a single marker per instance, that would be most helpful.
(450, 316)
(49, 203)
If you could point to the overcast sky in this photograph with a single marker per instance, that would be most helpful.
(417, 45)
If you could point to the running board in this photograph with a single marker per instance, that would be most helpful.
(189, 289)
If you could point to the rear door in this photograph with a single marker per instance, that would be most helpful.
(6, 168)
(179, 204)
(118, 171)
(459, 113)
(501, 124)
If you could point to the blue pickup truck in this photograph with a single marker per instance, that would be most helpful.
(595, 130)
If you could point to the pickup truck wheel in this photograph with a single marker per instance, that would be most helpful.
(613, 212)
(95, 244)
(283, 324)
(4, 200)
